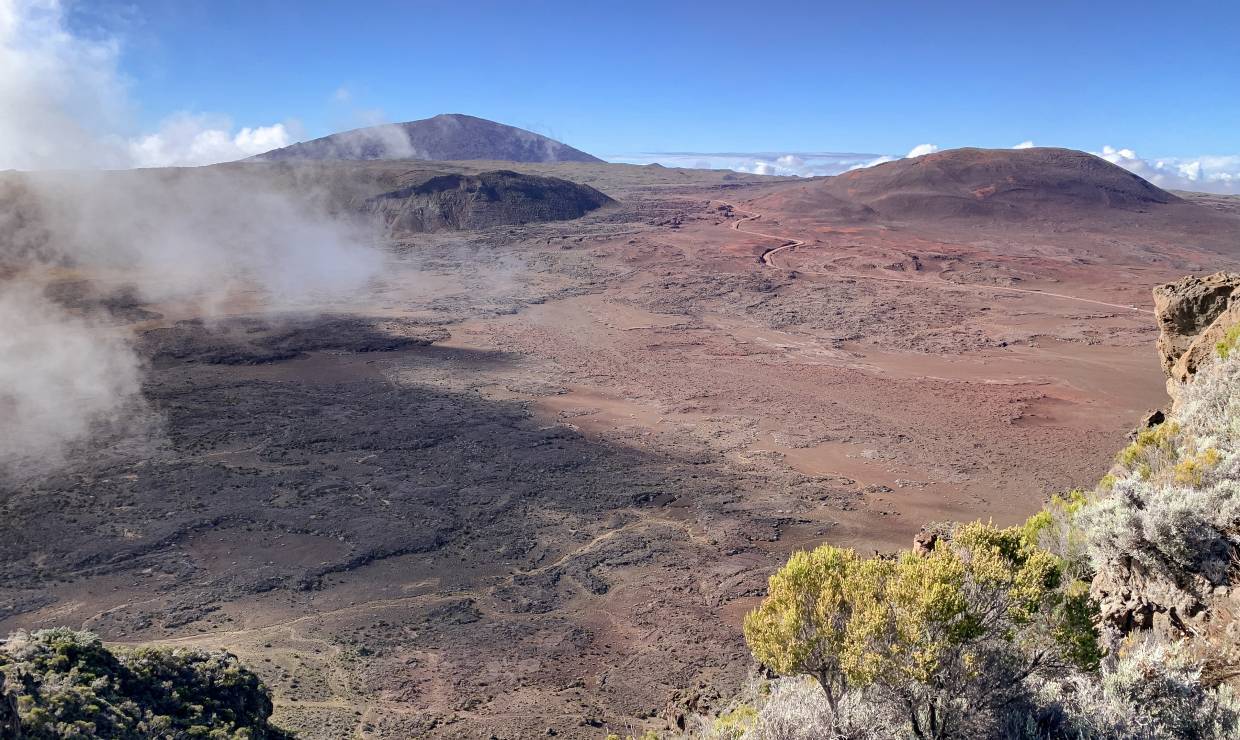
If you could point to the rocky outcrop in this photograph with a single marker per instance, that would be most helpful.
(924, 542)
(1195, 596)
(1193, 314)
(1132, 598)
(931, 534)
(500, 198)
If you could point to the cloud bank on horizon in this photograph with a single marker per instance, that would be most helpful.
(1208, 174)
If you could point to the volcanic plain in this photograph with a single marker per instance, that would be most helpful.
(529, 482)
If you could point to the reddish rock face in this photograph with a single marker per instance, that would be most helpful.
(924, 542)
(1189, 309)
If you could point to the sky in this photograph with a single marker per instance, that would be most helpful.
(1152, 86)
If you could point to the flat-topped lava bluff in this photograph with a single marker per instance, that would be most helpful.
(531, 477)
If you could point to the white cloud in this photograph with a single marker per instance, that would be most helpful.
(918, 151)
(61, 97)
(877, 160)
(1211, 173)
(189, 140)
(1218, 173)
(65, 105)
(192, 240)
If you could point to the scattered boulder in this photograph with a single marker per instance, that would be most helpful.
(924, 542)
(931, 534)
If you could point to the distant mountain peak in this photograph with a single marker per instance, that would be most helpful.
(447, 136)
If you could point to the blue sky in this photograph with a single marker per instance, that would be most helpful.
(1160, 78)
(1153, 87)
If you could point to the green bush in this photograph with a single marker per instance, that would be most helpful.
(949, 638)
(1229, 342)
(67, 684)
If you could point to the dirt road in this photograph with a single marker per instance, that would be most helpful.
(789, 243)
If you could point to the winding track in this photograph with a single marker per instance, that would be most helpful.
(789, 243)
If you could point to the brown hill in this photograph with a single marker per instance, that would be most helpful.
(446, 137)
(988, 183)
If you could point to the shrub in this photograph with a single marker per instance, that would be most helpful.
(993, 633)
(1152, 449)
(1228, 343)
(797, 709)
(1174, 502)
(803, 625)
(735, 723)
(1154, 692)
(68, 685)
(1056, 530)
(949, 637)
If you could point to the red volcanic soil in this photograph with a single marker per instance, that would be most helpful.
(556, 518)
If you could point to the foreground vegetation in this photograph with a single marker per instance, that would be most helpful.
(61, 683)
(998, 633)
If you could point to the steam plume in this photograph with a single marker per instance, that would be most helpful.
(191, 236)
(61, 379)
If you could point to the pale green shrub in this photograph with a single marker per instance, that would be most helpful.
(1174, 497)
(797, 709)
(1153, 692)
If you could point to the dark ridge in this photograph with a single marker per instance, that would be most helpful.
(455, 201)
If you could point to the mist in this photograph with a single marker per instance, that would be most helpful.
(199, 235)
(64, 378)
(206, 240)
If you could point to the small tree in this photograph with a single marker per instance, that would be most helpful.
(802, 626)
(950, 637)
